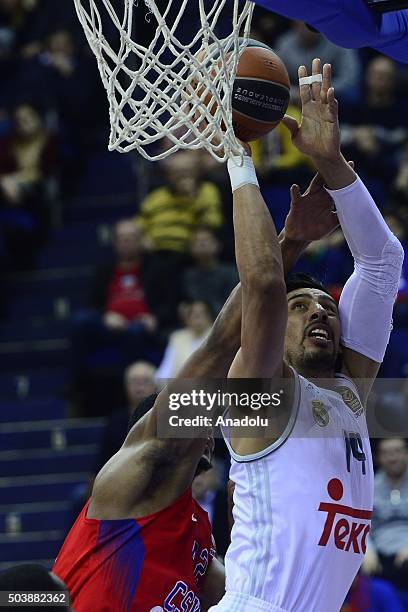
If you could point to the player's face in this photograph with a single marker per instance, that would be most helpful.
(313, 331)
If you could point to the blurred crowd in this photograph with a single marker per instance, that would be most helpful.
(172, 264)
(52, 111)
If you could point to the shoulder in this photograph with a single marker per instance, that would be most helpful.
(156, 197)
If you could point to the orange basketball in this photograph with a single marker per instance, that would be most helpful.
(260, 94)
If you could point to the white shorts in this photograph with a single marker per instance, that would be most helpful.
(239, 602)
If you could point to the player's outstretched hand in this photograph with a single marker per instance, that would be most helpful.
(311, 215)
(318, 135)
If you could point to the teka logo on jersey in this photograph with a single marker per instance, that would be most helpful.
(348, 534)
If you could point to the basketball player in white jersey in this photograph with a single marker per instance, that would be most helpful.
(303, 500)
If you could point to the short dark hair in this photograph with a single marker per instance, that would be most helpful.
(32, 577)
(141, 409)
(299, 280)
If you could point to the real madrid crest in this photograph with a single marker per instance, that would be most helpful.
(351, 400)
(320, 413)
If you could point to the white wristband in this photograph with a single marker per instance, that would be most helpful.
(241, 172)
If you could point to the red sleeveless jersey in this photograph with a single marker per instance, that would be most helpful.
(150, 564)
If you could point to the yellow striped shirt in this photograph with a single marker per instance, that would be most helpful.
(168, 220)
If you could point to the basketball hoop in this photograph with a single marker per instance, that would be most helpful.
(160, 90)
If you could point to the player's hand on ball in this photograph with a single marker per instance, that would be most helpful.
(318, 135)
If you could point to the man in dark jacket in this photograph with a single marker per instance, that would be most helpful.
(118, 328)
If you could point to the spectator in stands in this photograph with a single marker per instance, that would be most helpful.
(117, 291)
(139, 382)
(33, 577)
(209, 490)
(119, 327)
(387, 550)
(28, 158)
(300, 45)
(208, 279)
(371, 595)
(24, 24)
(376, 125)
(198, 317)
(65, 81)
(68, 76)
(17, 39)
(169, 215)
(43, 17)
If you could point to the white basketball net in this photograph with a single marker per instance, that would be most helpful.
(152, 90)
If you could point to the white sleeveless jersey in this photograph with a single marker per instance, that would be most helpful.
(302, 508)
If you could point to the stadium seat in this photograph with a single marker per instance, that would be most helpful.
(30, 410)
(33, 517)
(50, 434)
(38, 544)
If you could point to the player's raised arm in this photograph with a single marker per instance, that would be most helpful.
(368, 297)
(261, 271)
(169, 461)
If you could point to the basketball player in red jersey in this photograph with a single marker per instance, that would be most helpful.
(141, 543)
